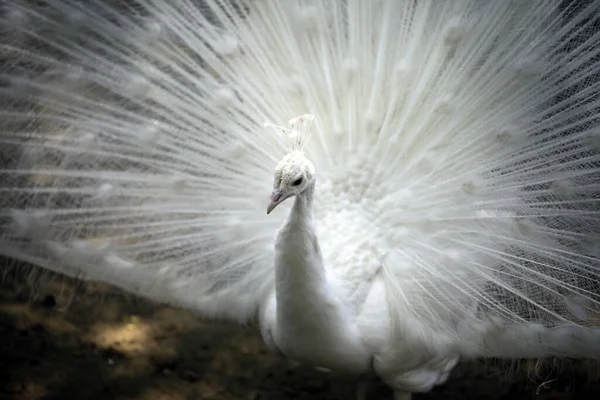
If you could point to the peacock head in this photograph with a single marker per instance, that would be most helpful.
(293, 175)
(295, 172)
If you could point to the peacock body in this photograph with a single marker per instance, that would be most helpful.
(442, 161)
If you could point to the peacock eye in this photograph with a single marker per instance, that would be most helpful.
(297, 182)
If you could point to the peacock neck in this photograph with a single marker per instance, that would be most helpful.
(299, 267)
(313, 324)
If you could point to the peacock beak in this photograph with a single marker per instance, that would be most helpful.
(276, 199)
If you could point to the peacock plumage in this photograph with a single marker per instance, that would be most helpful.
(435, 194)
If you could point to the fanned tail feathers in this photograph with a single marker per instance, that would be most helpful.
(457, 147)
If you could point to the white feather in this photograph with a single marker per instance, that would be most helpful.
(457, 146)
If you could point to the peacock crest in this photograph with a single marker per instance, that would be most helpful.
(297, 132)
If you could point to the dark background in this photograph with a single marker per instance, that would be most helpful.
(61, 339)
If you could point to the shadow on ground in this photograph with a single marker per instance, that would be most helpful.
(97, 344)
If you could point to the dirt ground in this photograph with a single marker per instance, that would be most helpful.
(81, 341)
